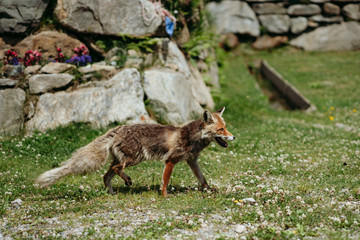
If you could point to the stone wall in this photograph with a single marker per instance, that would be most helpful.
(152, 85)
(266, 20)
(42, 97)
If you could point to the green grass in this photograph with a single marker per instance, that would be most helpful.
(302, 169)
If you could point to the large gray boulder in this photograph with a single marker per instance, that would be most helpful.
(118, 99)
(17, 16)
(176, 61)
(136, 17)
(41, 83)
(337, 37)
(275, 23)
(234, 17)
(170, 96)
(11, 111)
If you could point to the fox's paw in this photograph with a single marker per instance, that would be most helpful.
(110, 191)
(128, 181)
(207, 188)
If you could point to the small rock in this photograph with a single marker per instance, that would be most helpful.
(269, 8)
(266, 42)
(41, 83)
(331, 9)
(240, 228)
(321, 19)
(11, 110)
(32, 69)
(304, 9)
(13, 70)
(352, 11)
(229, 41)
(17, 203)
(275, 23)
(6, 82)
(249, 200)
(298, 24)
(57, 67)
(312, 24)
(319, 1)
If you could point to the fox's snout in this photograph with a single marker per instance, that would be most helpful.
(228, 138)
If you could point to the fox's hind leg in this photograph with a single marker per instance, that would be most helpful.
(118, 169)
(107, 180)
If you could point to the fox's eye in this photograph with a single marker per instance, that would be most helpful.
(221, 129)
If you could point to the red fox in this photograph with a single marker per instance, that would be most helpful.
(131, 144)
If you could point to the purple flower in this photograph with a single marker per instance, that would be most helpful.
(80, 61)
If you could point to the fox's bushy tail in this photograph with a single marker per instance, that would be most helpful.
(85, 160)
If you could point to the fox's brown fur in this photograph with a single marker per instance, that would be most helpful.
(132, 144)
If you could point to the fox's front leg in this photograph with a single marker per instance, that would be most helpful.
(197, 172)
(169, 166)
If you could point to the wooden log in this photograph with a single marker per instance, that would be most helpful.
(289, 92)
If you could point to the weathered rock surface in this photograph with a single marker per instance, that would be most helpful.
(102, 102)
(136, 18)
(56, 67)
(298, 24)
(331, 9)
(266, 42)
(211, 73)
(11, 114)
(6, 83)
(234, 17)
(275, 23)
(319, 1)
(170, 95)
(17, 16)
(3, 48)
(321, 19)
(337, 37)
(304, 9)
(199, 90)
(41, 83)
(46, 42)
(13, 70)
(32, 69)
(269, 8)
(176, 61)
(98, 71)
(352, 11)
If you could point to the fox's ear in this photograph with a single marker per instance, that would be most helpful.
(221, 111)
(207, 117)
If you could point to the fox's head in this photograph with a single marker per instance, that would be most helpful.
(215, 127)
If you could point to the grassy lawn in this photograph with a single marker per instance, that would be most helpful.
(302, 169)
